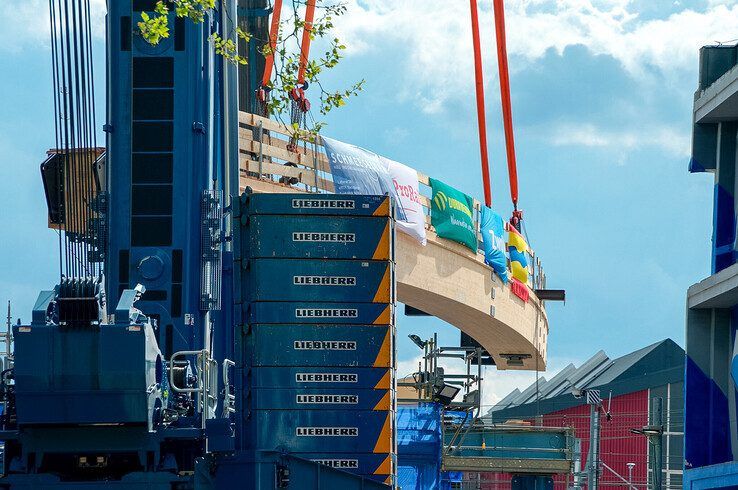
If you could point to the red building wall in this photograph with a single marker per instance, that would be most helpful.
(618, 445)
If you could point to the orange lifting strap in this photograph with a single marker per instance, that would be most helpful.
(305, 47)
(512, 168)
(481, 120)
(273, 35)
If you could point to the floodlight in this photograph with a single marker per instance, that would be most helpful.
(418, 341)
(445, 393)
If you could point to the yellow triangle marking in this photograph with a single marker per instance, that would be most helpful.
(385, 437)
(383, 292)
(386, 467)
(384, 383)
(383, 356)
(382, 250)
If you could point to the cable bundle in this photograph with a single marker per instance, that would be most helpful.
(81, 234)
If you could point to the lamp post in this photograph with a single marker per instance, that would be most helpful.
(630, 473)
(654, 434)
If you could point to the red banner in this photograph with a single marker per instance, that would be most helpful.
(520, 290)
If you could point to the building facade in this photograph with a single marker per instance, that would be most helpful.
(627, 386)
(711, 431)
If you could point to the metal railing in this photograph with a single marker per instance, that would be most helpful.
(229, 399)
(206, 369)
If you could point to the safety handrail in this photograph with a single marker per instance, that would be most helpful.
(229, 399)
(182, 354)
(207, 381)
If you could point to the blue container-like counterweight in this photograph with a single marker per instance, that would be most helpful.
(357, 463)
(321, 345)
(314, 205)
(334, 431)
(322, 377)
(319, 280)
(316, 237)
(321, 399)
(314, 312)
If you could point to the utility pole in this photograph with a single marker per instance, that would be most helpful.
(593, 459)
(8, 340)
(655, 438)
(577, 464)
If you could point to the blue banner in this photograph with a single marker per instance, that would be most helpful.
(359, 171)
(493, 240)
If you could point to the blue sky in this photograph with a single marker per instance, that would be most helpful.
(602, 96)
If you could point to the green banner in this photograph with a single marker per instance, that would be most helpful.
(452, 214)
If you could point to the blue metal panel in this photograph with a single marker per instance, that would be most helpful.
(321, 399)
(311, 431)
(522, 443)
(133, 481)
(318, 237)
(320, 280)
(158, 168)
(84, 376)
(388, 479)
(530, 482)
(357, 463)
(338, 313)
(723, 230)
(321, 345)
(715, 476)
(706, 424)
(321, 377)
(328, 204)
(222, 336)
(252, 471)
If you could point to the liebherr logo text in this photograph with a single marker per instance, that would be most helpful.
(325, 345)
(323, 281)
(328, 399)
(309, 236)
(323, 204)
(338, 463)
(326, 378)
(327, 431)
(326, 313)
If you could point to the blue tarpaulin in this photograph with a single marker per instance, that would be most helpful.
(419, 445)
(493, 240)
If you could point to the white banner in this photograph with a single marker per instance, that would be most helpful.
(405, 180)
(356, 170)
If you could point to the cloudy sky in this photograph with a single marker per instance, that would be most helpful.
(602, 95)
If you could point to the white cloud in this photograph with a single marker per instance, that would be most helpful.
(26, 24)
(434, 37)
(668, 139)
